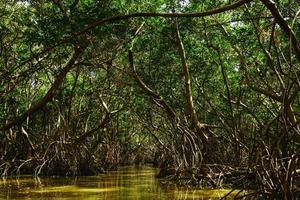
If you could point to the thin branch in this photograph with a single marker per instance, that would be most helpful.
(284, 26)
(170, 112)
(49, 95)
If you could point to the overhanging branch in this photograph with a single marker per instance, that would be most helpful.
(165, 15)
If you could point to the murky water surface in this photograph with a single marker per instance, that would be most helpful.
(126, 183)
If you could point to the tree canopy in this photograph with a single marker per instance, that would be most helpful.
(189, 85)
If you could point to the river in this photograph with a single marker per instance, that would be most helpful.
(128, 183)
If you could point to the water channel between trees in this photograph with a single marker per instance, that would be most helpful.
(125, 183)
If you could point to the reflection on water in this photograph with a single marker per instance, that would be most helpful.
(126, 183)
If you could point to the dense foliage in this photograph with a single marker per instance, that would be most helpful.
(203, 89)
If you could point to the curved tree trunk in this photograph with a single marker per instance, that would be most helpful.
(200, 128)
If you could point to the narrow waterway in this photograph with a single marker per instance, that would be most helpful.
(126, 183)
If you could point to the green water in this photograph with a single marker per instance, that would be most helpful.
(126, 183)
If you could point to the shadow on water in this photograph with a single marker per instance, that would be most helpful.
(126, 183)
